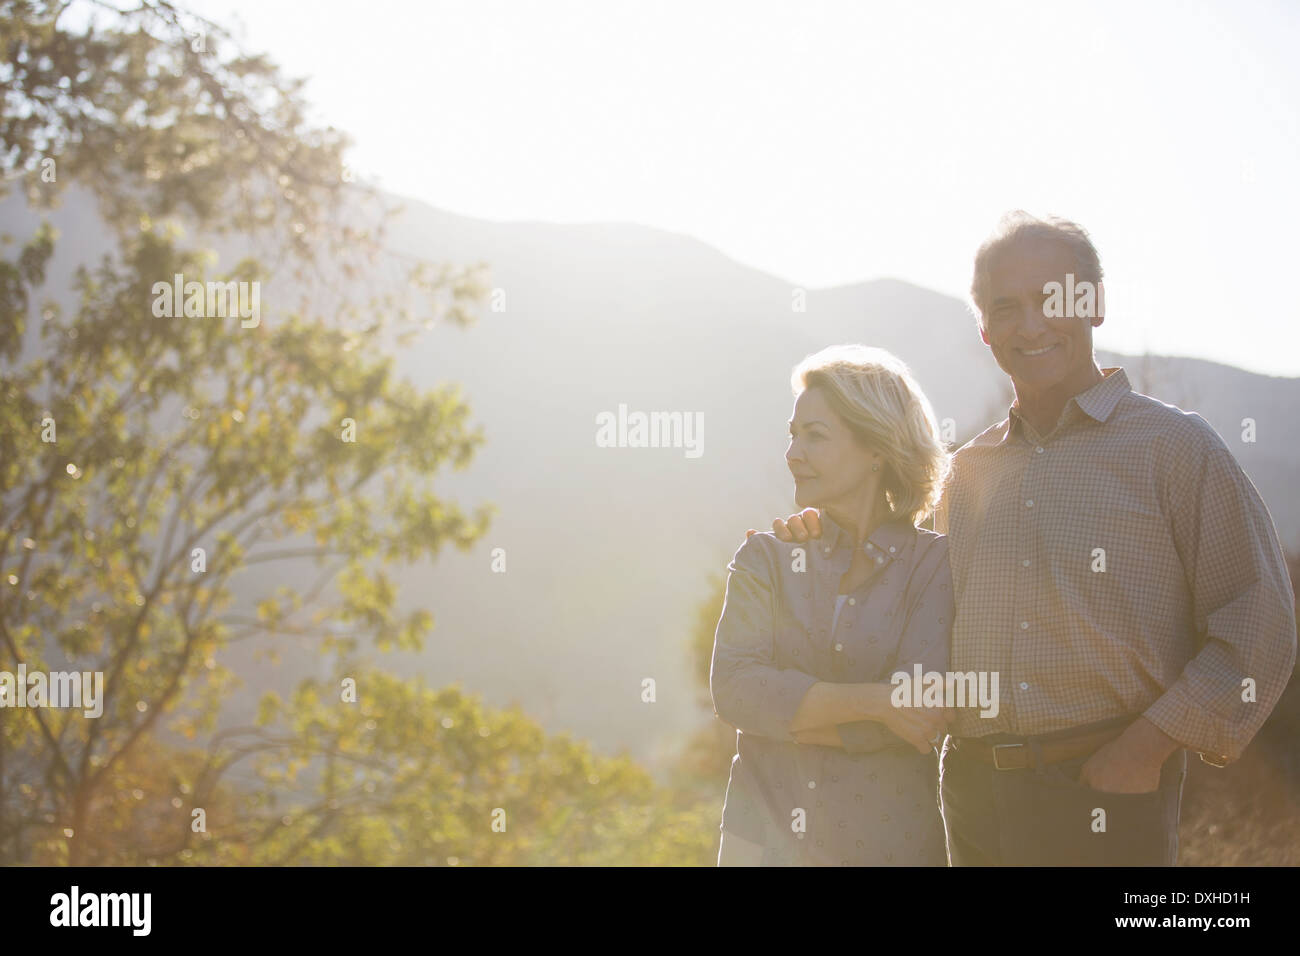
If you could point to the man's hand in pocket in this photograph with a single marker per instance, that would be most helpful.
(1131, 762)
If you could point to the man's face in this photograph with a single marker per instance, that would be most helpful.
(1037, 352)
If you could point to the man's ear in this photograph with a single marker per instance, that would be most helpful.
(984, 335)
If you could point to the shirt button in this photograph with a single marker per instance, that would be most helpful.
(1025, 562)
(1029, 503)
(1024, 685)
(1024, 625)
(853, 600)
(839, 647)
(880, 560)
(812, 784)
(826, 550)
(1039, 449)
(892, 549)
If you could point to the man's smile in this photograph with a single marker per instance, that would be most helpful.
(1044, 350)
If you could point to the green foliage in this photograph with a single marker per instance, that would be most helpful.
(183, 433)
(413, 776)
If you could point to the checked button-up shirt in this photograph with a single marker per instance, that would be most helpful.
(1121, 564)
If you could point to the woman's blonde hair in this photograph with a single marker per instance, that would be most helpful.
(884, 408)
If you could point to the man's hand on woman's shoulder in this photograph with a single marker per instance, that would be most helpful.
(798, 527)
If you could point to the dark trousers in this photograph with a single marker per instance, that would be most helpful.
(1045, 817)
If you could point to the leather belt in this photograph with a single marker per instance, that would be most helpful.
(1019, 753)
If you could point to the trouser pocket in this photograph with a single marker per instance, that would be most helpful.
(1048, 818)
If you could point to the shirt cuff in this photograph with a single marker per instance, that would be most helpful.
(764, 700)
(1189, 724)
(783, 701)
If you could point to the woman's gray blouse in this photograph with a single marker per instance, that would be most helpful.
(874, 803)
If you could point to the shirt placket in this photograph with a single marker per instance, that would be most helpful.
(811, 766)
(1026, 618)
(835, 564)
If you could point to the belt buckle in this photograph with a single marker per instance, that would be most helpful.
(996, 748)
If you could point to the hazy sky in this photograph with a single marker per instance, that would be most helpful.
(829, 143)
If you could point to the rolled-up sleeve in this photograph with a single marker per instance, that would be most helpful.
(749, 691)
(1243, 607)
(925, 640)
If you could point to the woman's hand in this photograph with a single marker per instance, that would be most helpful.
(916, 725)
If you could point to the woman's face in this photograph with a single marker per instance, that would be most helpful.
(829, 466)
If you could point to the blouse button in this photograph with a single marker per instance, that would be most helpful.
(839, 647)
(853, 600)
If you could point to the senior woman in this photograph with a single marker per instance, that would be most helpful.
(827, 771)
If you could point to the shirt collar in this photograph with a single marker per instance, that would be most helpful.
(885, 543)
(1097, 402)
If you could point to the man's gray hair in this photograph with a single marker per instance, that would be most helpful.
(1019, 225)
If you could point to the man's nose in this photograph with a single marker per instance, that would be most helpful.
(1032, 320)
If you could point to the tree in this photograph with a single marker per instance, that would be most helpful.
(156, 466)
